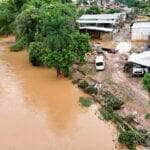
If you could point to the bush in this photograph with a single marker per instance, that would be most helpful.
(7, 16)
(87, 102)
(107, 115)
(131, 138)
(36, 53)
(26, 23)
(20, 44)
(8, 11)
(99, 10)
(81, 12)
(83, 84)
(147, 116)
(113, 102)
(91, 90)
(146, 81)
(94, 10)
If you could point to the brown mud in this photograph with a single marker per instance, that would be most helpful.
(40, 111)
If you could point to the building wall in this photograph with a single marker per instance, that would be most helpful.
(140, 33)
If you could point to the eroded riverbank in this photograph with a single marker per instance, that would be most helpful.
(39, 111)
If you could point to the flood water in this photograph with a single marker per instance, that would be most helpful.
(39, 111)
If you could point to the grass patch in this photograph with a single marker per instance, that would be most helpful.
(86, 102)
(147, 116)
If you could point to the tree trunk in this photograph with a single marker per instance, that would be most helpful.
(58, 71)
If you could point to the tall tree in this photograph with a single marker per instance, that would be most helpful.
(52, 34)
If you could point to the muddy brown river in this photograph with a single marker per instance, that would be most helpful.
(39, 111)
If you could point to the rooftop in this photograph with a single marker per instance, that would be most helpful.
(141, 25)
(97, 21)
(141, 58)
(97, 28)
(100, 17)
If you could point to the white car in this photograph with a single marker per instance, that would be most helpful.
(100, 63)
(139, 70)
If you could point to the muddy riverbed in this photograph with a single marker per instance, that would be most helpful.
(40, 111)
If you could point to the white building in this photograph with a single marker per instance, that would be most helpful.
(140, 31)
(102, 22)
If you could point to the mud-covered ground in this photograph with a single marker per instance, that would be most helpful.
(129, 89)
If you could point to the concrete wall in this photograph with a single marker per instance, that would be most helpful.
(140, 33)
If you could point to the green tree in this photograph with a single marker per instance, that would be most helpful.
(146, 81)
(100, 10)
(63, 43)
(52, 35)
(26, 23)
(94, 10)
(8, 11)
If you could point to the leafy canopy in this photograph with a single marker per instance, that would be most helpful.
(99, 10)
(52, 35)
(8, 11)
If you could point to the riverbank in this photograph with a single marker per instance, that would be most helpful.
(35, 104)
(113, 80)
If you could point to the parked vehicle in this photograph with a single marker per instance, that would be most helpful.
(100, 63)
(139, 70)
(109, 50)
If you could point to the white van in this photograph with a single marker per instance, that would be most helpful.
(100, 63)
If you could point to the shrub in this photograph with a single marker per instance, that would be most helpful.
(36, 53)
(83, 84)
(147, 116)
(91, 90)
(146, 81)
(8, 11)
(7, 16)
(81, 12)
(113, 102)
(107, 115)
(26, 23)
(94, 10)
(131, 138)
(20, 44)
(87, 102)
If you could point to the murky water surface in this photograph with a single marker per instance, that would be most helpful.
(38, 111)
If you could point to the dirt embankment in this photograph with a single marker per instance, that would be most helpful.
(122, 85)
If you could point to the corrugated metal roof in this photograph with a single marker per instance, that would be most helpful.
(97, 21)
(97, 28)
(141, 25)
(101, 16)
(141, 59)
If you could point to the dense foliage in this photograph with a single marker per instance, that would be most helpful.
(8, 11)
(140, 6)
(51, 33)
(94, 10)
(129, 3)
(146, 81)
(99, 10)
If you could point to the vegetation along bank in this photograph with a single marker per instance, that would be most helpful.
(48, 30)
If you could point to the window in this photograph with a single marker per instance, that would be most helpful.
(99, 64)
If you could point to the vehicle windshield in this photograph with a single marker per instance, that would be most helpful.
(99, 64)
(136, 66)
